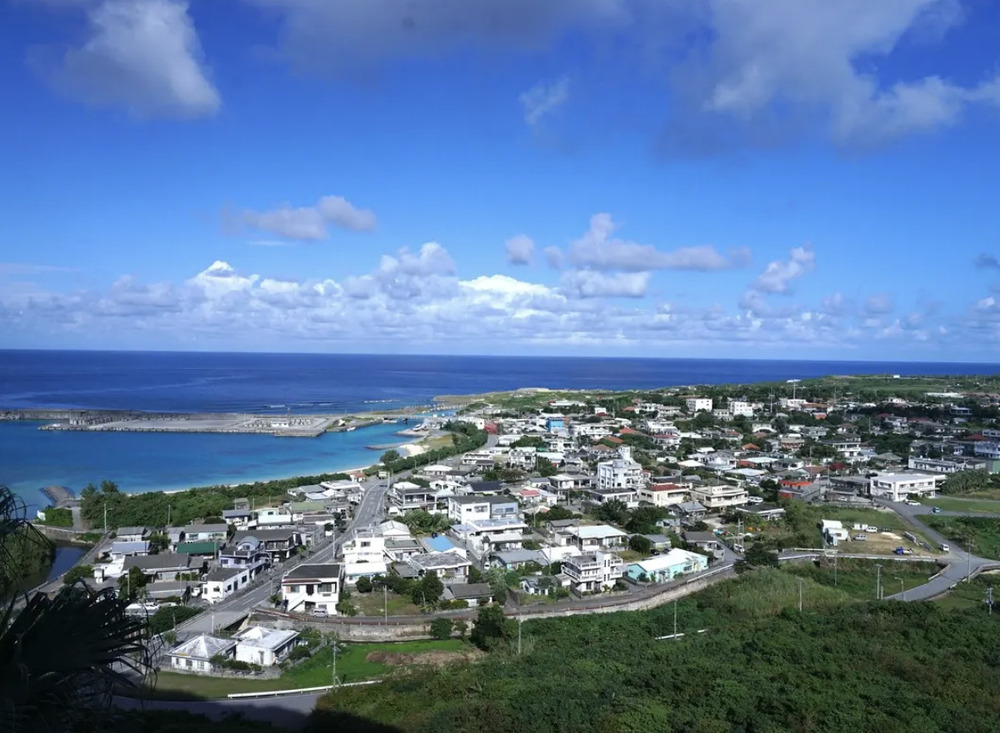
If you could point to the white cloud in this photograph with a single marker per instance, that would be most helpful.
(309, 223)
(520, 249)
(220, 278)
(597, 249)
(834, 305)
(140, 55)
(343, 36)
(813, 58)
(542, 99)
(591, 284)
(779, 275)
(878, 304)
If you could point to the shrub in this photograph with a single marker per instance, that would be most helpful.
(441, 628)
(364, 585)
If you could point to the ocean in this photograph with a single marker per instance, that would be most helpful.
(279, 383)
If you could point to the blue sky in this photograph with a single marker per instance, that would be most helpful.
(795, 178)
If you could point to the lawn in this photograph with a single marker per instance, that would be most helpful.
(373, 604)
(352, 666)
(982, 532)
(955, 504)
(857, 578)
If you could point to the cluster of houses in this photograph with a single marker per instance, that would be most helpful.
(211, 561)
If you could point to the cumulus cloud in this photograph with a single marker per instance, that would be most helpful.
(309, 223)
(140, 55)
(834, 305)
(779, 275)
(520, 249)
(591, 284)
(598, 249)
(542, 99)
(878, 304)
(987, 262)
(554, 257)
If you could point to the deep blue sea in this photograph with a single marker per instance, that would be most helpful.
(206, 382)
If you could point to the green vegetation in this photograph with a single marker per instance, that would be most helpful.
(465, 437)
(78, 572)
(981, 533)
(57, 517)
(167, 618)
(760, 666)
(858, 578)
(352, 666)
(374, 604)
(422, 522)
(152, 509)
(972, 484)
(800, 525)
(972, 595)
(951, 504)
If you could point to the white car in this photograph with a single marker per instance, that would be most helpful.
(754, 500)
(913, 503)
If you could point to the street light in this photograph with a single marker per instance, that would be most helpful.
(902, 589)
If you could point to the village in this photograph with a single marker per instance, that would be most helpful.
(588, 498)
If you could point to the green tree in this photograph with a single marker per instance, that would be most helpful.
(758, 556)
(491, 628)
(544, 467)
(131, 583)
(529, 441)
(966, 482)
(640, 544)
(364, 584)
(78, 573)
(614, 511)
(428, 590)
(441, 628)
(461, 627)
(390, 456)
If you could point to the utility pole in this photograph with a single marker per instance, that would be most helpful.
(989, 599)
(968, 550)
(335, 681)
(168, 514)
(878, 582)
(675, 619)
(902, 589)
(519, 622)
(385, 602)
(105, 515)
(800, 594)
(834, 571)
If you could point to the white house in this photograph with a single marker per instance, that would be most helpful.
(698, 404)
(663, 494)
(596, 536)
(715, 498)
(222, 582)
(195, 655)
(266, 647)
(272, 517)
(620, 473)
(900, 486)
(667, 566)
(312, 588)
(363, 546)
(739, 408)
(470, 508)
(593, 571)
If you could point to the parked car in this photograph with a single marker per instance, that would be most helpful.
(755, 500)
(860, 537)
(913, 503)
(936, 510)
(320, 613)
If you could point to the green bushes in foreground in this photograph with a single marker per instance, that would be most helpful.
(760, 665)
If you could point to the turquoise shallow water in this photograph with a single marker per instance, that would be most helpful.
(31, 458)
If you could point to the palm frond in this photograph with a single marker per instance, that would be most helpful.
(69, 653)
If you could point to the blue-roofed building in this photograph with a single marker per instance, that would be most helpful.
(122, 548)
(441, 544)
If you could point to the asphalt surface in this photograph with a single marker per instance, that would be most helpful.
(288, 712)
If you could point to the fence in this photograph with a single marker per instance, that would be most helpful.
(301, 691)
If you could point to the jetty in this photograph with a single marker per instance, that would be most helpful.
(290, 425)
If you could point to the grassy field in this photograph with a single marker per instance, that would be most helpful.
(972, 594)
(352, 666)
(956, 504)
(373, 604)
(982, 532)
(858, 578)
(800, 528)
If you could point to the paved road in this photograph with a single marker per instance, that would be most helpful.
(961, 563)
(370, 511)
(288, 712)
